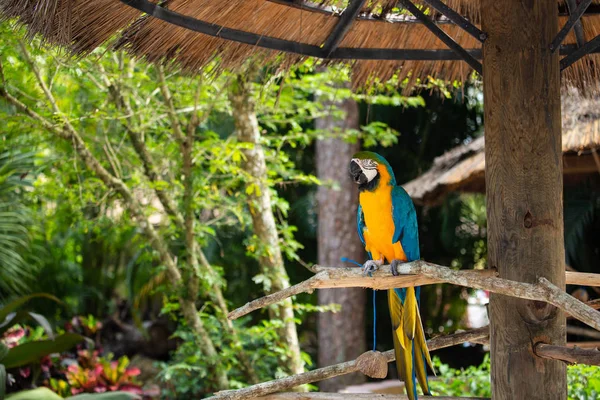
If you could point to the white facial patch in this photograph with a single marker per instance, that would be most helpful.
(368, 167)
(370, 174)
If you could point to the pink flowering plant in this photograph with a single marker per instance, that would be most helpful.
(68, 363)
(93, 374)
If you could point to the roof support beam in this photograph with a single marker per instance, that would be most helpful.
(589, 47)
(458, 19)
(573, 19)
(572, 5)
(563, 11)
(343, 25)
(343, 53)
(440, 34)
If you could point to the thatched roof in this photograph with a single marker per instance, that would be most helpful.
(463, 168)
(379, 31)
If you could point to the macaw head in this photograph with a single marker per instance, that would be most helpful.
(369, 170)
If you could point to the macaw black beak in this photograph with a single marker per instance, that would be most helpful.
(357, 174)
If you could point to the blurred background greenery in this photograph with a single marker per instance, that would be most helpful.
(64, 232)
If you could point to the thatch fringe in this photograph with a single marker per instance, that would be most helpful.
(83, 25)
(463, 167)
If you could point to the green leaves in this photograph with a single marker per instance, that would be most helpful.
(3, 351)
(35, 394)
(105, 396)
(2, 381)
(29, 352)
(32, 352)
(44, 393)
(19, 302)
(15, 220)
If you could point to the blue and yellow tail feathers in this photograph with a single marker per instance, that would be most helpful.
(412, 355)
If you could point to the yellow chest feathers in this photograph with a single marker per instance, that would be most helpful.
(377, 209)
(379, 220)
(379, 231)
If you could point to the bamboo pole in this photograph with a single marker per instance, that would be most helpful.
(348, 367)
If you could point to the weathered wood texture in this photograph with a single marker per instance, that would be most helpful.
(327, 277)
(543, 290)
(583, 278)
(357, 396)
(337, 237)
(521, 82)
(579, 331)
(584, 345)
(571, 355)
(348, 367)
(263, 219)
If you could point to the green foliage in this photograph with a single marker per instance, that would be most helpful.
(583, 381)
(16, 273)
(93, 254)
(16, 355)
(465, 230)
(32, 352)
(17, 351)
(46, 394)
(2, 376)
(22, 348)
(473, 381)
(185, 375)
(93, 374)
(34, 394)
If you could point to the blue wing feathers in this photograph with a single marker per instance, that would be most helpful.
(405, 222)
(406, 232)
(360, 226)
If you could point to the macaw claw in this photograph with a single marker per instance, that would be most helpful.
(394, 266)
(370, 266)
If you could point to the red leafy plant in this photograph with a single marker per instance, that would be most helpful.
(93, 374)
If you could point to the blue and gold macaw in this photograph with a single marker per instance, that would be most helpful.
(387, 226)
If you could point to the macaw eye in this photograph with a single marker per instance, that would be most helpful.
(369, 164)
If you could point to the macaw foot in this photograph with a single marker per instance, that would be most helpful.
(394, 266)
(371, 266)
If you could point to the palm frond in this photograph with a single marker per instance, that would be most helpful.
(15, 220)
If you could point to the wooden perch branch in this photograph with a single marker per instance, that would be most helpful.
(572, 355)
(348, 367)
(328, 277)
(418, 273)
(583, 278)
(357, 396)
(579, 331)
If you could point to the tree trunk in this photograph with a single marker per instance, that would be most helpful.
(524, 191)
(342, 334)
(263, 219)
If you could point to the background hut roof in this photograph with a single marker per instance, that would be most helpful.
(463, 168)
(83, 25)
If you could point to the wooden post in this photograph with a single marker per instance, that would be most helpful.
(524, 191)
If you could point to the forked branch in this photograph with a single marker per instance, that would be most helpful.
(354, 396)
(348, 367)
(328, 277)
(420, 273)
